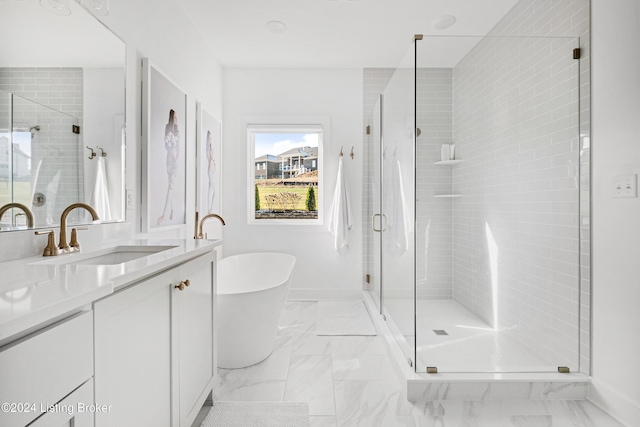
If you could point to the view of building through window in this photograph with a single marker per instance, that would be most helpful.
(285, 175)
(15, 166)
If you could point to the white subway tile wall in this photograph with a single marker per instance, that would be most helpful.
(53, 91)
(434, 214)
(515, 228)
(571, 18)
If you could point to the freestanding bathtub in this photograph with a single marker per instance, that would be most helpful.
(251, 290)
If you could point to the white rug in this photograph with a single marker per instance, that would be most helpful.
(258, 414)
(348, 317)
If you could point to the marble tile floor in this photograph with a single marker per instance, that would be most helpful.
(349, 381)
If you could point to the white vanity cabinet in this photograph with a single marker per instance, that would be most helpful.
(193, 340)
(46, 376)
(154, 347)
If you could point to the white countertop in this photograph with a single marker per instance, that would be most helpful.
(35, 290)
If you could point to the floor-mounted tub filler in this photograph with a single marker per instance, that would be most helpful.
(251, 292)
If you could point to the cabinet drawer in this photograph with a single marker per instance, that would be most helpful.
(75, 410)
(42, 368)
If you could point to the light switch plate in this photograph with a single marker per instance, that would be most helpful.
(131, 200)
(625, 186)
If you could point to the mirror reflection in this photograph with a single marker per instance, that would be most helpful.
(62, 101)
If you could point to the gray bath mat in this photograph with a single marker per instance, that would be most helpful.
(258, 414)
(348, 317)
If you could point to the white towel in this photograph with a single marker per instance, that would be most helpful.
(35, 179)
(400, 224)
(100, 196)
(340, 216)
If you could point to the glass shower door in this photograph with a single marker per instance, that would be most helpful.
(396, 162)
(47, 161)
(477, 252)
(376, 205)
(498, 241)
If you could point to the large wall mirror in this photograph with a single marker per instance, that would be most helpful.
(62, 114)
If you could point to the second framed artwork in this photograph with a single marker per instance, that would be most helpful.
(164, 112)
(208, 136)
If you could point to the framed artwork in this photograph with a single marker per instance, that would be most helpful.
(164, 111)
(209, 142)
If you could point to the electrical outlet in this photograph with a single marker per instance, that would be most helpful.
(625, 186)
(131, 200)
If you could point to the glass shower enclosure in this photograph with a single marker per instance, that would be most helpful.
(40, 161)
(474, 202)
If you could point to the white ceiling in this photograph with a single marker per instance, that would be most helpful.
(33, 37)
(332, 33)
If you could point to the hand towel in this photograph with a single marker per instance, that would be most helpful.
(340, 217)
(100, 196)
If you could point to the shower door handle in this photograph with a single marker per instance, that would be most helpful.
(373, 223)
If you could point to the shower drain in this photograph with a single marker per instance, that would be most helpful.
(440, 332)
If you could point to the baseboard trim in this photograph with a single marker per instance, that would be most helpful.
(613, 403)
(322, 294)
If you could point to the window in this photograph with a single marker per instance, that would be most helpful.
(15, 166)
(288, 189)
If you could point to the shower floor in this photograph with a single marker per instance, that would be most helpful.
(471, 345)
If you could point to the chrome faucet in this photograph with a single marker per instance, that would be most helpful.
(198, 231)
(22, 207)
(63, 245)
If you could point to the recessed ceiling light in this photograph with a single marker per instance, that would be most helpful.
(57, 7)
(444, 22)
(276, 27)
(97, 7)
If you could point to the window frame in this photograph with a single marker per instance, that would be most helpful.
(284, 125)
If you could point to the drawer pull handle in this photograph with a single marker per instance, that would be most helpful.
(183, 284)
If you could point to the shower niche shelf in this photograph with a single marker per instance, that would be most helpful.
(447, 195)
(447, 162)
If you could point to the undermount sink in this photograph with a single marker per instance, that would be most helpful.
(122, 254)
(111, 256)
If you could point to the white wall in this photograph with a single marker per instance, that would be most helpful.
(300, 92)
(161, 32)
(616, 222)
